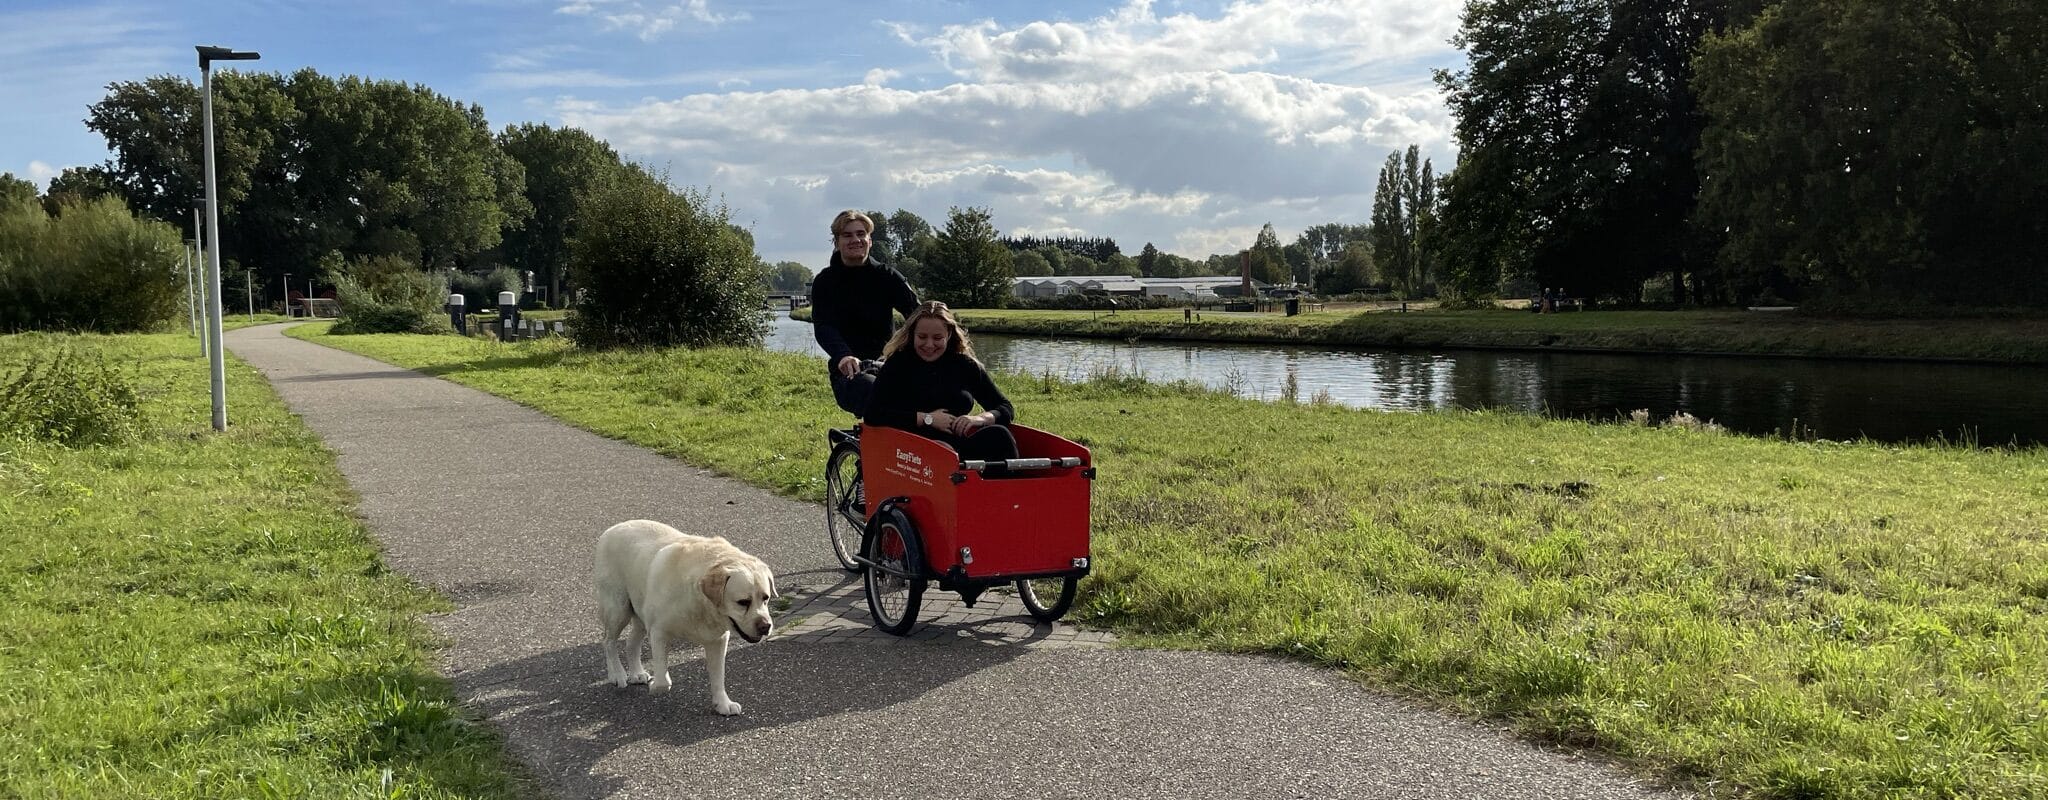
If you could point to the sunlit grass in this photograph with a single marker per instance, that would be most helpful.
(198, 615)
(1794, 619)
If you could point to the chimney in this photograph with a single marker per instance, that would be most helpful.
(1244, 272)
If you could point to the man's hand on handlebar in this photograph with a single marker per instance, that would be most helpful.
(847, 366)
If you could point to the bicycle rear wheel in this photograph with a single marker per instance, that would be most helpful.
(845, 503)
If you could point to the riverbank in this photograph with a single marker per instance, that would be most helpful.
(1795, 619)
(1748, 333)
(192, 614)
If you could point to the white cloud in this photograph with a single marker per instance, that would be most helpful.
(40, 174)
(1254, 136)
(650, 20)
(1185, 131)
(1134, 40)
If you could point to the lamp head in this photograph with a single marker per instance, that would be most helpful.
(209, 54)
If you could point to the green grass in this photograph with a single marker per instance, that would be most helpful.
(1795, 620)
(192, 614)
(1993, 339)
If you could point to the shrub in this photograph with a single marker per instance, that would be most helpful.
(388, 294)
(66, 397)
(480, 292)
(660, 269)
(94, 267)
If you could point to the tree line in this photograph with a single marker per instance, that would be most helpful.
(314, 171)
(1865, 153)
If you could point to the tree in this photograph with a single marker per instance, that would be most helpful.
(1577, 126)
(77, 185)
(968, 267)
(661, 269)
(308, 164)
(1266, 259)
(788, 276)
(1350, 272)
(397, 169)
(1879, 150)
(1148, 260)
(1029, 264)
(16, 191)
(562, 167)
(1390, 243)
(882, 244)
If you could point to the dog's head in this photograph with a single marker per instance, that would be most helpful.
(741, 590)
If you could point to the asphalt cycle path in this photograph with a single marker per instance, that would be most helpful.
(498, 506)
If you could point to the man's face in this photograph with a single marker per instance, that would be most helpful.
(853, 242)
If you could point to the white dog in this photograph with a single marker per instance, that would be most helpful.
(671, 585)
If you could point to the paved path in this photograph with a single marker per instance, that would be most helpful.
(497, 506)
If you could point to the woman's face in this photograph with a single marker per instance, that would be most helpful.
(853, 242)
(930, 338)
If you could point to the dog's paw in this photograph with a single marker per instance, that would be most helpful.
(726, 709)
(615, 678)
(659, 684)
(636, 678)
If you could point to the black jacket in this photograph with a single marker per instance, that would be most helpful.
(909, 385)
(850, 308)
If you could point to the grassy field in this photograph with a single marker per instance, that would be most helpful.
(190, 614)
(1789, 620)
(2006, 340)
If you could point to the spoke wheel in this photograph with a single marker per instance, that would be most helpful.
(1048, 599)
(845, 511)
(894, 590)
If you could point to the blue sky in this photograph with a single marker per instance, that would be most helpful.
(1185, 124)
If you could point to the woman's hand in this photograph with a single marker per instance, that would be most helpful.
(967, 424)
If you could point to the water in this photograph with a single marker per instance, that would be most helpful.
(1885, 401)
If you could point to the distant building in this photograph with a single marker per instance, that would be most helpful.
(1197, 288)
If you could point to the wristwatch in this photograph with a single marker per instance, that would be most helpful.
(928, 419)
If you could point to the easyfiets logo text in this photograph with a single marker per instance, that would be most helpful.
(907, 465)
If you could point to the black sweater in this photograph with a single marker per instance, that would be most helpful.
(850, 308)
(908, 386)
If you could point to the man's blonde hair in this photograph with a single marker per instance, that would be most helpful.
(850, 215)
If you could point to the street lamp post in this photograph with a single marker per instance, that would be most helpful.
(249, 291)
(217, 362)
(198, 288)
(285, 283)
(192, 296)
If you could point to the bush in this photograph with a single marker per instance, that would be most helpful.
(660, 269)
(64, 396)
(94, 267)
(388, 294)
(480, 292)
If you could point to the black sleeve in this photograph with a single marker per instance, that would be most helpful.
(985, 392)
(826, 316)
(905, 300)
(889, 403)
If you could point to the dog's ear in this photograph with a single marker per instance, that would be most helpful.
(766, 577)
(713, 584)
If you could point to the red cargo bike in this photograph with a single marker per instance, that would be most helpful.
(905, 511)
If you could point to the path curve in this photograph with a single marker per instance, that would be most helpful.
(497, 506)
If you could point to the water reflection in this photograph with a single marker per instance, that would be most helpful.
(1885, 401)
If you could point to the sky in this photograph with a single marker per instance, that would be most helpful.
(1184, 124)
